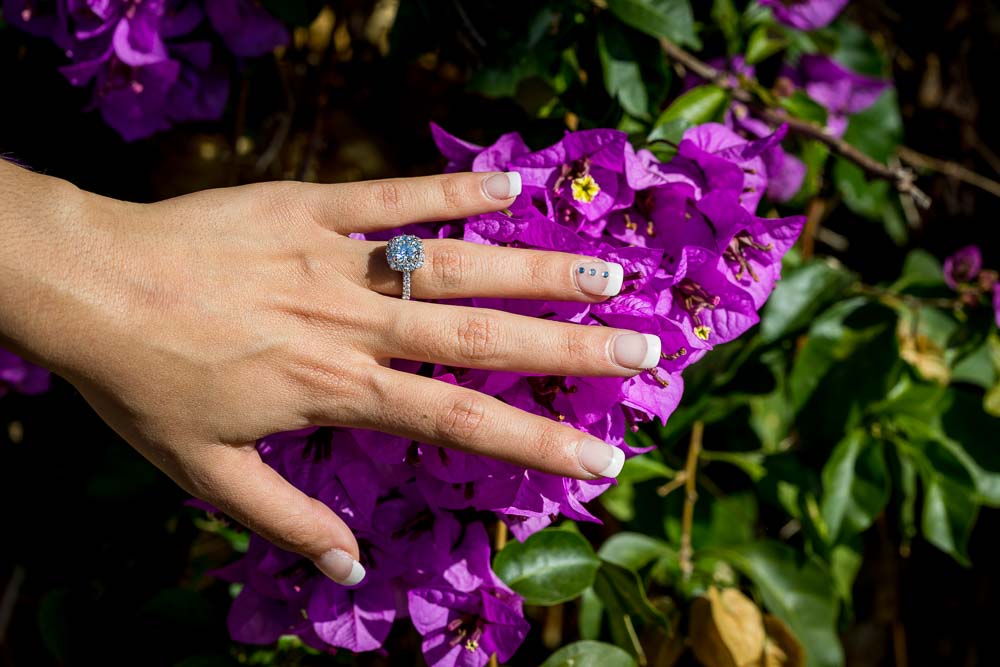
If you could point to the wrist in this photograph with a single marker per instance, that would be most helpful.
(46, 263)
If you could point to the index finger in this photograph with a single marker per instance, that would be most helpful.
(369, 206)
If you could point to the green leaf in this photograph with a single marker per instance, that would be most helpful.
(845, 563)
(591, 612)
(623, 594)
(844, 333)
(856, 485)
(796, 590)
(949, 515)
(672, 19)
(765, 41)
(799, 296)
(54, 618)
(589, 654)
(550, 567)
(876, 131)
(634, 550)
(698, 105)
(727, 18)
(622, 75)
(800, 105)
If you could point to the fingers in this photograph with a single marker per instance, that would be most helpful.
(240, 484)
(455, 269)
(369, 206)
(438, 413)
(496, 340)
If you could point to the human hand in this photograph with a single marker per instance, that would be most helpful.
(200, 324)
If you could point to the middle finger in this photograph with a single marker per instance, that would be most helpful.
(496, 340)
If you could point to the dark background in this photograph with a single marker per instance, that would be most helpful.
(103, 562)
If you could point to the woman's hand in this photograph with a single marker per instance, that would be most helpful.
(200, 324)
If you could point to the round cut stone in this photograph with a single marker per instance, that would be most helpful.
(405, 253)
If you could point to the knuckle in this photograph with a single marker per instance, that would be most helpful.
(538, 268)
(299, 530)
(478, 337)
(448, 266)
(462, 418)
(451, 193)
(577, 342)
(387, 195)
(550, 445)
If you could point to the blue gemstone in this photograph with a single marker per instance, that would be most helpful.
(405, 253)
(593, 272)
(582, 269)
(605, 274)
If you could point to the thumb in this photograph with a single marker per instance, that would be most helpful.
(240, 484)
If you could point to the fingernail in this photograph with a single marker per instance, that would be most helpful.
(599, 278)
(638, 351)
(339, 566)
(503, 186)
(600, 458)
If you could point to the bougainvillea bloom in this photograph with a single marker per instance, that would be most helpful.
(839, 90)
(963, 266)
(805, 14)
(18, 375)
(146, 70)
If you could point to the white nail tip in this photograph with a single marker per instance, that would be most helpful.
(652, 358)
(617, 462)
(356, 575)
(616, 276)
(514, 179)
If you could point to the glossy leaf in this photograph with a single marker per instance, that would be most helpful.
(622, 74)
(855, 485)
(589, 654)
(698, 105)
(799, 296)
(550, 567)
(660, 18)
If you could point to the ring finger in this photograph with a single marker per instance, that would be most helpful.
(454, 269)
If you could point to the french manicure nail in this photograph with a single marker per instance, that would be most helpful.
(503, 186)
(339, 566)
(601, 459)
(638, 351)
(599, 278)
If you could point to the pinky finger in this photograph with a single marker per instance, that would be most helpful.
(240, 484)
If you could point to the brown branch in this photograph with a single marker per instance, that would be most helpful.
(901, 178)
(948, 168)
(690, 496)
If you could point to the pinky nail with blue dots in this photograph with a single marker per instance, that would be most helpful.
(599, 278)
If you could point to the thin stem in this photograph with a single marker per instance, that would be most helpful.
(901, 178)
(690, 496)
(948, 168)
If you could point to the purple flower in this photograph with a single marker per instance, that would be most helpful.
(468, 614)
(145, 77)
(358, 619)
(839, 90)
(579, 179)
(963, 266)
(805, 14)
(18, 375)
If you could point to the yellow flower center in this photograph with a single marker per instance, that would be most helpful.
(585, 188)
(702, 332)
(471, 646)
